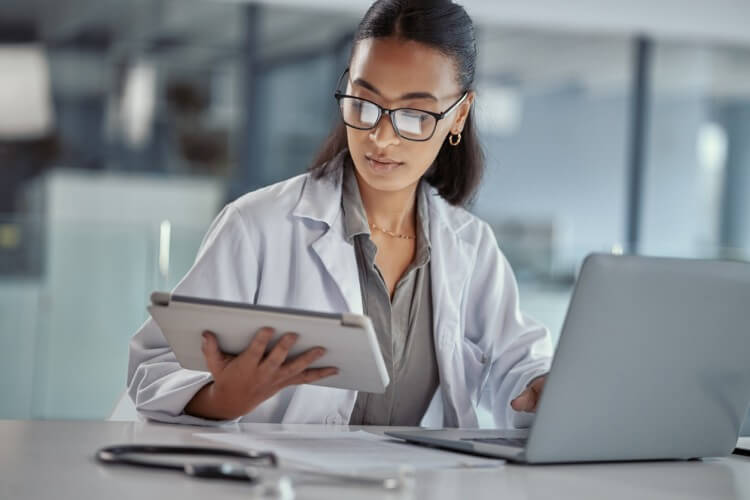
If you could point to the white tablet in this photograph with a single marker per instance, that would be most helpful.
(349, 339)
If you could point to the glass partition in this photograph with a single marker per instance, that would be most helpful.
(162, 111)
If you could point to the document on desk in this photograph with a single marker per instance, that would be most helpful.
(345, 451)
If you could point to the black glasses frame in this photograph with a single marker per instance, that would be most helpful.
(338, 95)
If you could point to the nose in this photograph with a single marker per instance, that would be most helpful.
(384, 134)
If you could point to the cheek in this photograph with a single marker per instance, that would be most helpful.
(429, 149)
(441, 132)
(355, 140)
(432, 147)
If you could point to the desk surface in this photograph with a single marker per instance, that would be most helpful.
(54, 459)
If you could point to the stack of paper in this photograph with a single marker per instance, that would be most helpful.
(344, 451)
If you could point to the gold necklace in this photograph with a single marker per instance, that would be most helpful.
(391, 233)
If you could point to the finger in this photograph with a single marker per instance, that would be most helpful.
(278, 354)
(298, 364)
(538, 384)
(311, 375)
(215, 359)
(526, 401)
(520, 403)
(254, 352)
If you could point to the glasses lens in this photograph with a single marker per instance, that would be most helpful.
(358, 113)
(414, 124)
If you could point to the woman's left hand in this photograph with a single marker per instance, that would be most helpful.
(527, 401)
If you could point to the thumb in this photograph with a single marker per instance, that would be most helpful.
(215, 359)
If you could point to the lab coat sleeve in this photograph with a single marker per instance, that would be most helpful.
(515, 348)
(226, 269)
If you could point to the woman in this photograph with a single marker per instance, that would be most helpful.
(376, 227)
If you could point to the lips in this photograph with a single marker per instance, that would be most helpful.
(381, 159)
(382, 162)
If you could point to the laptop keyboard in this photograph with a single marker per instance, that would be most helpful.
(516, 442)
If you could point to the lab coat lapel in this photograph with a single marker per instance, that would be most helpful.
(321, 201)
(337, 256)
(450, 265)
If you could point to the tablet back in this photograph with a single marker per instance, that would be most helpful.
(349, 339)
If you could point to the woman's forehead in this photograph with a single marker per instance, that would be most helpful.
(398, 67)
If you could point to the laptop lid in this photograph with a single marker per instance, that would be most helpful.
(652, 363)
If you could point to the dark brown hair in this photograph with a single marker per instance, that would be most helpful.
(445, 26)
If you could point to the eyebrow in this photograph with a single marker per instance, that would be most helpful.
(410, 95)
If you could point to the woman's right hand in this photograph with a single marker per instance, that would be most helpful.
(242, 382)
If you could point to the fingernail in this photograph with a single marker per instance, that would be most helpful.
(320, 351)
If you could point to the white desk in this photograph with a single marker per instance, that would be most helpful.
(54, 459)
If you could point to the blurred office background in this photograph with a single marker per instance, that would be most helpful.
(126, 125)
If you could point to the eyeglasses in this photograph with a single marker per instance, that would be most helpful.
(408, 123)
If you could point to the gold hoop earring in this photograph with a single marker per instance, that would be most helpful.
(456, 137)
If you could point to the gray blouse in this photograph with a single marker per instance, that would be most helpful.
(403, 325)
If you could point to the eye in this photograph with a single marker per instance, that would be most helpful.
(414, 114)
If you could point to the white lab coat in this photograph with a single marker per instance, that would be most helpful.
(284, 245)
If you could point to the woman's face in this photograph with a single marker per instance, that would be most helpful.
(395, 74)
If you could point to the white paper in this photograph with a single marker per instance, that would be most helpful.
(344, 451)
(744, 443)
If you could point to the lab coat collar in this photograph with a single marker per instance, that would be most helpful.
(321, 198)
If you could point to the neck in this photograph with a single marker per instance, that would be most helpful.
(392, 210)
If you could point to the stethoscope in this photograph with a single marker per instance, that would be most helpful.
(280, 486)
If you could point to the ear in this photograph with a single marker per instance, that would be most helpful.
(462, 113)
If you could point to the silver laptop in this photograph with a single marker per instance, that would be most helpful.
(653, 363)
